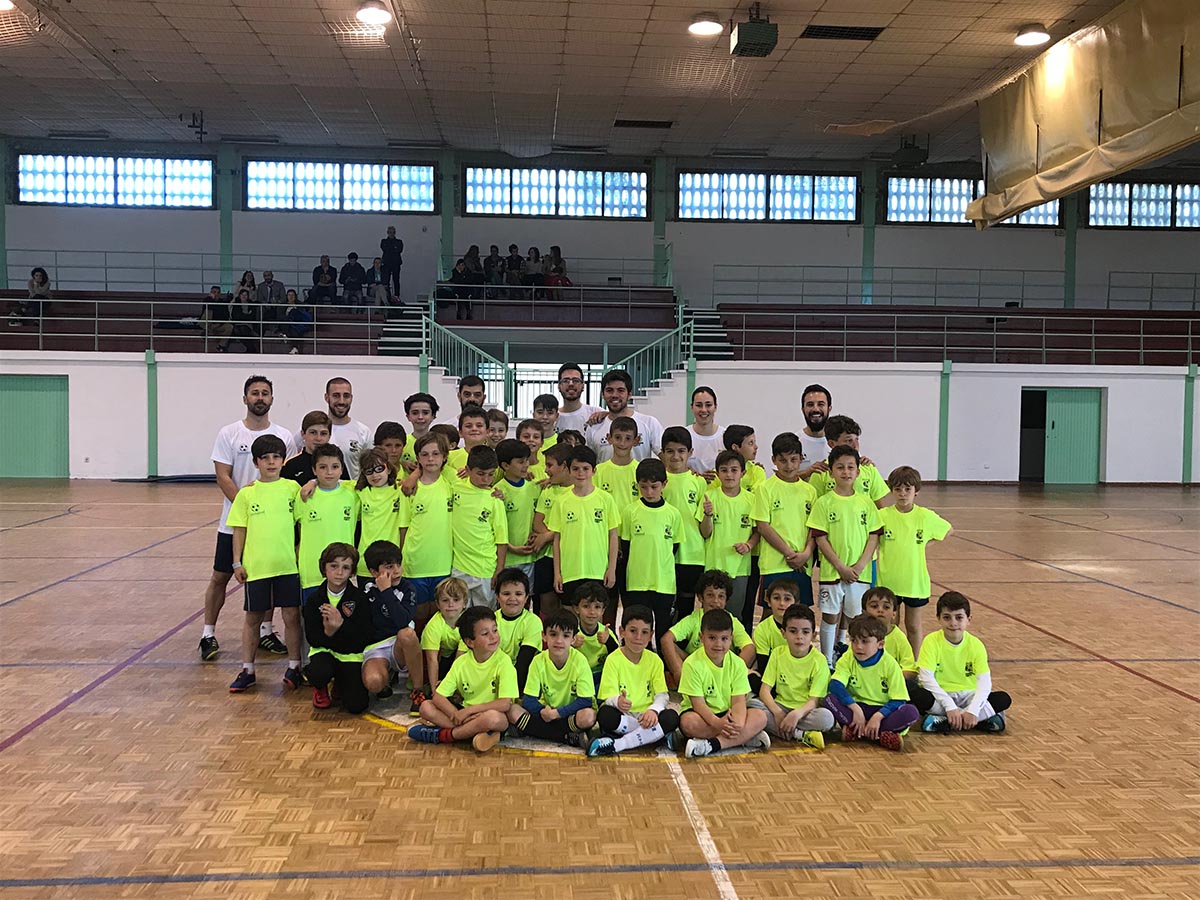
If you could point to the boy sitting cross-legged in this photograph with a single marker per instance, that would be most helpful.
(633, 691)
(439, 638)
(393, 639)
(867, 694)
(795, 681)
(485, 681)
(556, 702)
(718, 712)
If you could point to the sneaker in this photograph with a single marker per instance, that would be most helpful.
(485, 741)
(272, 644)
(244, 681)
(697, 747)
(292, 679)
(321, 698)
(573, 739)
(838, 649)
(602, 746)
(935, 725)
(415, 698)
(209, 648)
(993, 724)
(426, 734)
(676, 740)
(846, 735)
(760, 741)
(813, 739)
(295, 351)
(891, 740)
(385, 693)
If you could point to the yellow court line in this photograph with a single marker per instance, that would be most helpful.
(550, 754)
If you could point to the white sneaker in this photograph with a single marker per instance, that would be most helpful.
(697, 747)
(294, 351)
(760, 741)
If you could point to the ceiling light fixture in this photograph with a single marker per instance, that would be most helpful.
(706, 25)
(6, 5)
(1031, 36)
(373, 12)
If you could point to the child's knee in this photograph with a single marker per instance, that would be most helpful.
(692, 725)
(356, 705)
(514, 713)
(429, 710)
(585, 719)
(375, 679)
(668, 719)
(496, 720)
(609, 718)
(756, 720)
(407, 638)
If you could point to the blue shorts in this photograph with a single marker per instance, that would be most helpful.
(802, 579)
(263, 593)
(423, 588)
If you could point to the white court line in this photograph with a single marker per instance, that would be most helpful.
(716, 866)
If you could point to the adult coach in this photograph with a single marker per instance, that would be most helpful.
(816, 403)
(350, 436)
(707, 436)
(471, 392)
(573, 413)
(617, 390)
(235, 469)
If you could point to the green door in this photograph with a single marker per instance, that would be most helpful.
(35, 407)
(1073, 435)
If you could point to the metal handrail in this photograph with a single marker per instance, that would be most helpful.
(577, 303)
(1153, 290)
(581, 268)
(652, 363)
(459, 357)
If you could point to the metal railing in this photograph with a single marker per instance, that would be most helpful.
(591, 269)
(648, 306)
(180, 326)
(650, 364)
(1175, 291)
(1013, 336)
(932, 286)
(459, 357)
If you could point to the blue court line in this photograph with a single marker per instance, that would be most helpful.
(1127, 537)
(1090, 578)
(69, 511)
(631, 869)
(108, 562)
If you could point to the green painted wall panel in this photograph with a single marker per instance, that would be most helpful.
(1073, 435)
(36, 405)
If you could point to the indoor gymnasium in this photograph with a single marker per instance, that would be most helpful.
(564, 449)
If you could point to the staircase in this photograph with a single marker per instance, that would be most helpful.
(710, 340)
(402, 335)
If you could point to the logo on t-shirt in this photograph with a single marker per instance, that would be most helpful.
(510, 506)
(484, 515)
(638, 529)
(920, 535)
(570, 517)
(883, 686)
(347, 608)
(355, 446)
(862, 518)
(669, 533)
(969, 669)
(833, 516)
(776, 503)
(313, 515)
(255, 508)
(598, 514)
(396, 505)
(243, 448)
(887, 535)
(418, 508)
(346, 513)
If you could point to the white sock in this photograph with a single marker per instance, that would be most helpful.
(249, 667)
(267, 627)
(293, 663)
(628, 723)
(639, 737)
(844, 637)
(209, 631)
(828, 634)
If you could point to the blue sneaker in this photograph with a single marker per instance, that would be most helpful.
(244, 681)
(426, 734)
(676, 741)
(935, 725)
(602, 746)
(292, 679)
(993, 724)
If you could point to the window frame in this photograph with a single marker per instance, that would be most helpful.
(341, 164)
(769, 174)
(1129, 226)
(15, 182)
(603, 170)
(974, 179)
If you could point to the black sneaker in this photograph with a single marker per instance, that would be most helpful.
(292, 679)
(209, 648)
(272, 644)
(839, 650)
(385, 693)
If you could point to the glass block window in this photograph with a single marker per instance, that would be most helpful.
(1108, 205)
(270, 185)
(411, 188)
(580, 192)
(1187, 206)
(189, 182)
(625, 195)
(744, 195)
(835, 197)
(88, 180)
(489, 191)
(949, 198)
(791, 197)
(1151, 206)
(908, 200)
(700, 195)
(317, 186)
(141, 182)
(533, 192)
(365, 186)
(1046, 214)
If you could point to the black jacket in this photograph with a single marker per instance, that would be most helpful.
(391, 250)
(353, 636)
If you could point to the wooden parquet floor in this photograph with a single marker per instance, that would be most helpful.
(127, 770)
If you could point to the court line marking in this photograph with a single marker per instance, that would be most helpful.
(1128, 537)
(852, 865)
(107, 562)
(712, 856)
(69, 511)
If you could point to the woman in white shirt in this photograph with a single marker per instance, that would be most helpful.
(708, 439)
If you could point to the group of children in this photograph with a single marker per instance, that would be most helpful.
(437, 537)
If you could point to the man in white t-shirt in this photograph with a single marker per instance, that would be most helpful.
(617, 388)
(707, 436)
(573, 413)
(471, 392)
(350, 436)
(816, 404)
(235, 469)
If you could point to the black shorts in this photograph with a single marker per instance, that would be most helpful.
(263, 593)
(223, 558)
(543, 575)
(914, 602)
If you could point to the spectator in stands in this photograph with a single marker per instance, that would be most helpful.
(554, 260)
(557, 279)
(246, 282)
(299, 321)
(324, 289)
(534, 276)
(215, 316)
(514, 266)
(392, 249)
(458, 289)
(376, 284)
(246, 321)
(270, 297)
(493, 268)
(39, 296)
(352, 278)
(474, 270)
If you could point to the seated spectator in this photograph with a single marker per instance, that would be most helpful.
(376, 283)
(493, 268)
(246, 320)
(270, 297)
(553, 260)
(39, 296)
(299, 321)
(514, 267)
(246, 282)
(215, 316)
(534, 276)
(557, 278)
(457, 289)
(324, 279)
(352, 278)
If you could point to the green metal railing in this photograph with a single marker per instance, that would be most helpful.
(442, 347)
(674, 350)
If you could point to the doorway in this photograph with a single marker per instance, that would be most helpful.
(35, 406)
(1060, 435)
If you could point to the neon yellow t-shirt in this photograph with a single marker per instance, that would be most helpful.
(380, 513)
(785, 506)
(428, 551)
(478, 524)
(732, 523)
(653, 534)
(896, 646)
(874, 685)
(583, 524)
(685, 491)
(751, 478)
(265, 510)
(520, 501)
(523, 631)
(326, 517)
(716, 685)
(902, 544)
(408, 454)
(550, 441)
(767, 636)
(557, 687)
(456, 459)
(441, 636)
(849, 522)
(956, 667)
(480, 682)
(793, 680)
(687, 631)
(619, 481)
(640, 681)
(545, 502)
(870, 483)
(594, 651)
